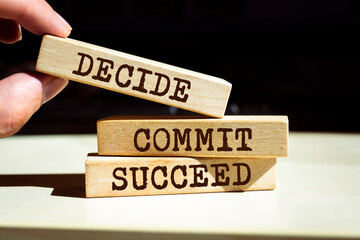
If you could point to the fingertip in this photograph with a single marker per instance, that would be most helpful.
(63, 27)
(10, 31)
(53, 88)
(64, 22)
(21, 95)
(37, 16)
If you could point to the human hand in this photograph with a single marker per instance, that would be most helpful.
(22, 94)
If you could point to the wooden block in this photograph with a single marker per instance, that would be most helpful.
(132, 75)
(126, 176)
(231, 136)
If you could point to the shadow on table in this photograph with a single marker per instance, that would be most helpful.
(64, 185)
(60, 234)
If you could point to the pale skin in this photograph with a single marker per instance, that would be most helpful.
(22, 94)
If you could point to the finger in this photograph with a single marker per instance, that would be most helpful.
(37, 16)
(21, 95)
(10, 31)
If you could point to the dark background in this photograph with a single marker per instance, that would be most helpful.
(295, 58)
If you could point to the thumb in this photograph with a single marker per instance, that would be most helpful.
(21, 95)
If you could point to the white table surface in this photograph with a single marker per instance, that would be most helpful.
(42, 196)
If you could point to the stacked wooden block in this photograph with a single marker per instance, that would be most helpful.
(146, 155)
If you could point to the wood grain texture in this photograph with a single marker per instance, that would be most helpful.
(132, 75)
(231, 136)
(108, 176)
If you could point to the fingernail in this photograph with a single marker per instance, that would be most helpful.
(66, 24)
(55, 86)
(20, 34)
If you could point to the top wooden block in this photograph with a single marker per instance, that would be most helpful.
(132, 75)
